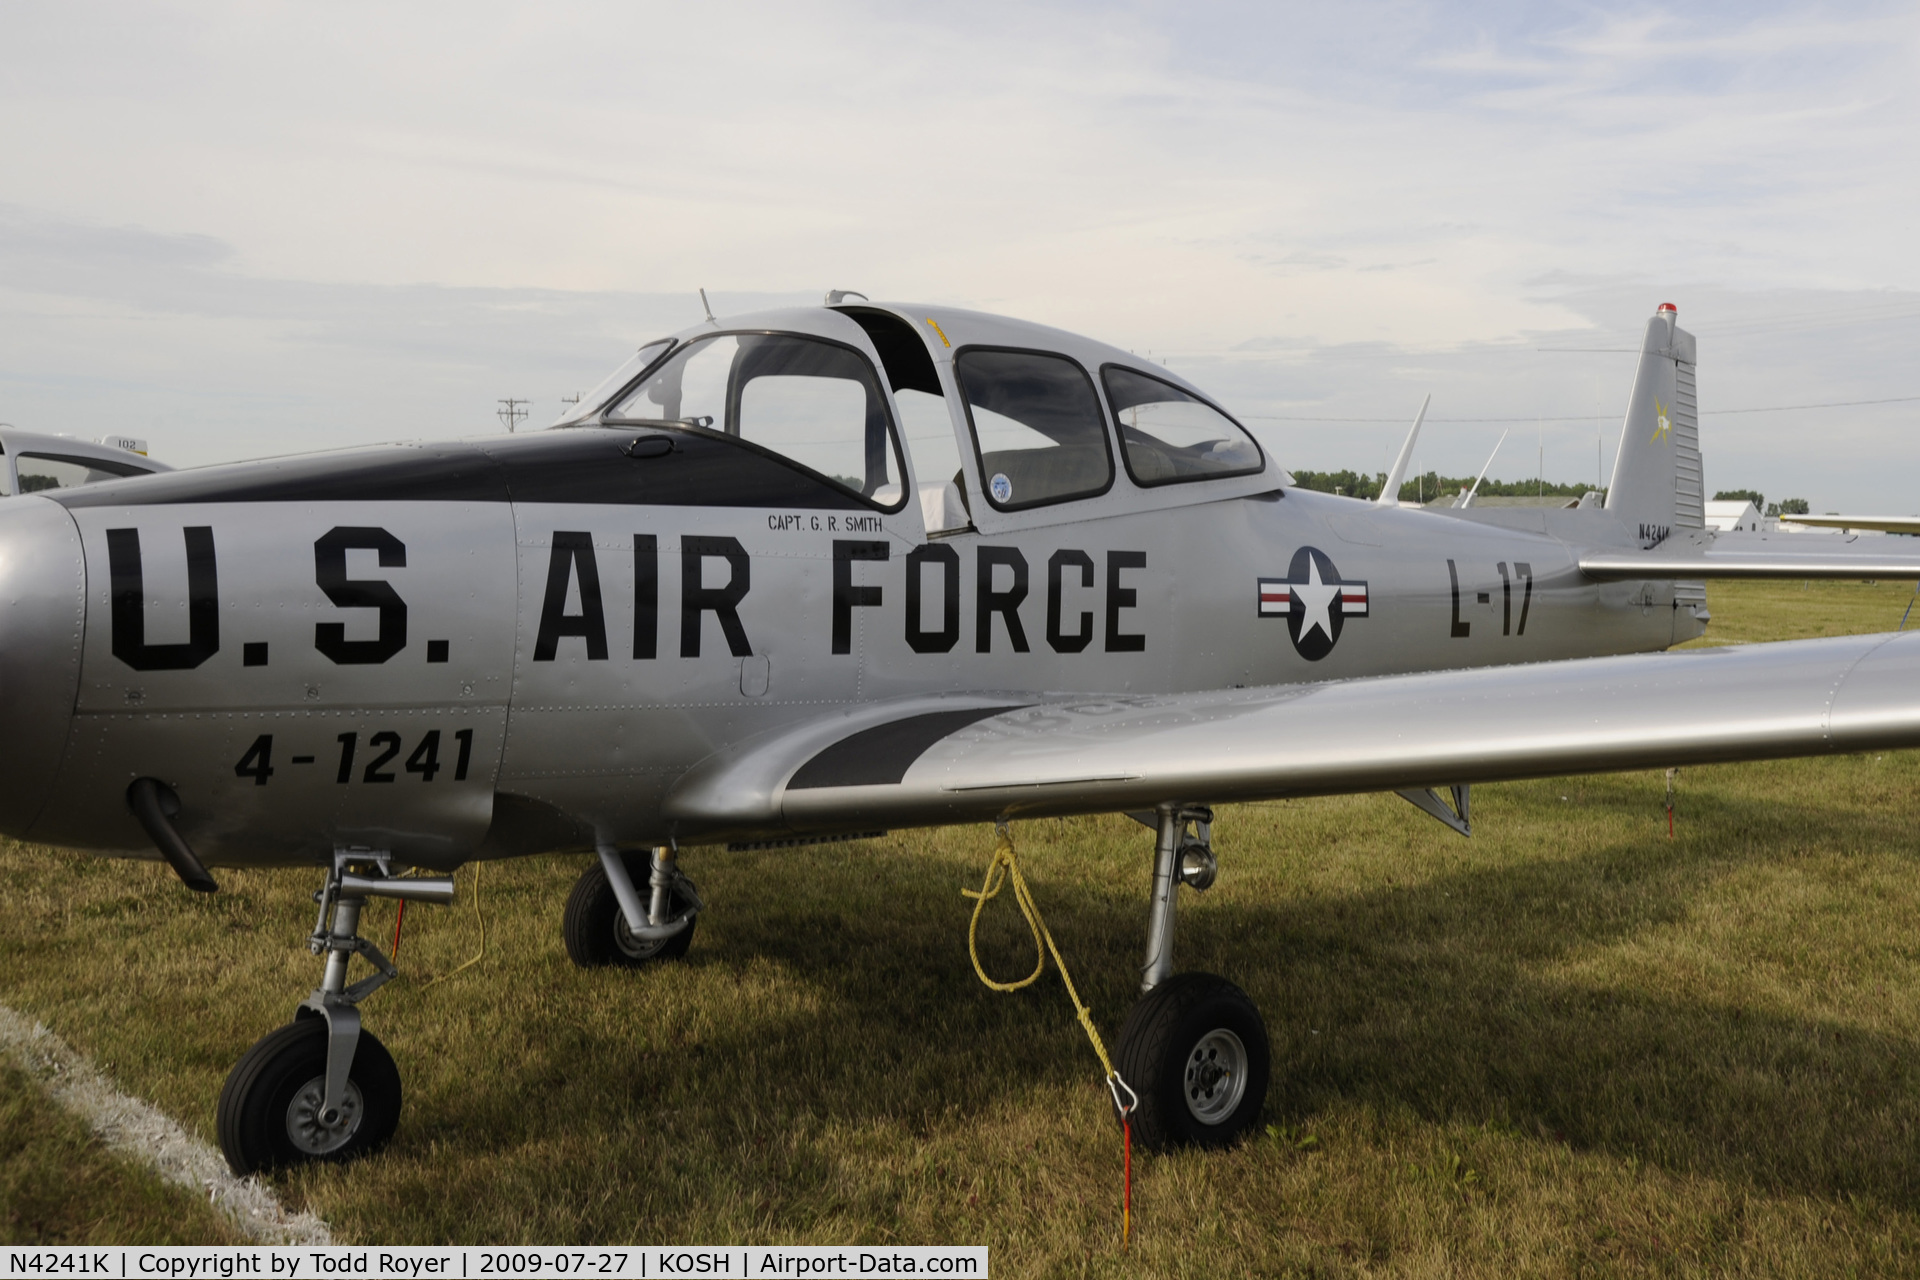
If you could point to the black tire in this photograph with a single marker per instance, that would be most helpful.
(266, 1118)
(1195, 1051)
(596, 930)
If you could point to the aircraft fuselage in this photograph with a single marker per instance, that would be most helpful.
(477, 672)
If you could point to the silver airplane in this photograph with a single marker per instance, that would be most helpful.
(1847, 523)
(809, 574)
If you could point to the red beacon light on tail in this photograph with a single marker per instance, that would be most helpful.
(1668, 306)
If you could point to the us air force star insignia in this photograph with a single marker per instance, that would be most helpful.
(1315, 600)
(1660, 416)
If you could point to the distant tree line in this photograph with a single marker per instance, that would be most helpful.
(1784, 507)
(1425, 488)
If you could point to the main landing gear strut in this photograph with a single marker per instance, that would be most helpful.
(608, 923)
(1194, 1048)
(320, 1088)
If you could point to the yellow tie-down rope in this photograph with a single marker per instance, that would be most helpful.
(1005, 866)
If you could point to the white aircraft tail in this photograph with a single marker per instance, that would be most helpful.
(1657, 485)
(1390, 488)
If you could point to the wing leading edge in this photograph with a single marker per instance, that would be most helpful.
(1058, 756)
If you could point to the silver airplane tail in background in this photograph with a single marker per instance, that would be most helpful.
(1657, 485)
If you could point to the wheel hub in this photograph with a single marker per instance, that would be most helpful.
(1215, 1077)
(635, 948)
(314, 1130)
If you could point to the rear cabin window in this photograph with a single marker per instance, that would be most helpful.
(1170, 436)
(1036, 427)
(817, 403)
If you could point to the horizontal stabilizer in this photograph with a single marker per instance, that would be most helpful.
(1758, 555)
(1388, 733)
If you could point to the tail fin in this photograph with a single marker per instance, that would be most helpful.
(1657, 485)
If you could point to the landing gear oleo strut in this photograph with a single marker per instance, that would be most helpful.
(606, 923)
(321, 1088)
(1194, 1048)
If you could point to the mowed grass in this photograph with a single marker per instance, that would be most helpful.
(59, 1184)
(1568, 1046)
(1749, 612)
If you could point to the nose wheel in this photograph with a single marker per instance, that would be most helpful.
(273, 1111)
(320, 1088)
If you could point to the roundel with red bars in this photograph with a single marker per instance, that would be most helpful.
(1315, 600)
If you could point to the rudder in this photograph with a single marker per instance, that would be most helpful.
(1657, 483)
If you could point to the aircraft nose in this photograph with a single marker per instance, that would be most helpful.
(43, 602)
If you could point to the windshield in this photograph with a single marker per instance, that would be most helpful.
(816, 402)
(584, 406)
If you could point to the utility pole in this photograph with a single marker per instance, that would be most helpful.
(512, 412)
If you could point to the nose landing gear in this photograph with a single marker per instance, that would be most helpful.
(320, 1088)
(1194, 1048)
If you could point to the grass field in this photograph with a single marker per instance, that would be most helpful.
(59, 1185)
(1568, 1046)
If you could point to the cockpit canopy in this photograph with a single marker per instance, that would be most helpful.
(1036, 426)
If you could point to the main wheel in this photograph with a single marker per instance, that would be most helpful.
(596, 929)
(270, 1113)
(1195, 1051)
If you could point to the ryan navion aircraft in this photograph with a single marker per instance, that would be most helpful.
(812, 573)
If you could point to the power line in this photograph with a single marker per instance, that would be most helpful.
(1587, 417)
(1283, 417)
(512, 412)
(1832, 404)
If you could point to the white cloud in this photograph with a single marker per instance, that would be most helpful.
(248, 227)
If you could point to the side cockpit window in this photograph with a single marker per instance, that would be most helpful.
(817, 403)
(1036, 426)
(1170, 435)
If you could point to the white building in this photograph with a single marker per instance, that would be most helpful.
(1732, 517)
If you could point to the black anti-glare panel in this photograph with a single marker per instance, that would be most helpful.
(576, 465)
(881, 756)
(705, 469)
(394, 473)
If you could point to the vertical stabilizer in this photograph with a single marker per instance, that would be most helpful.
(1390, 487)
(1657, 485)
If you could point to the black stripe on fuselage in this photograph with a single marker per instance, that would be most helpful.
(881, 756)
(576, 465)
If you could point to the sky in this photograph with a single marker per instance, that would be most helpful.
(240, 230)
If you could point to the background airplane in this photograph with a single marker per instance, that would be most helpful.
(1882, 524)
(796, 576)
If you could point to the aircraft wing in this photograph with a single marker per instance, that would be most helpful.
(1884, 524)
(979, 757)
(1757, 555)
